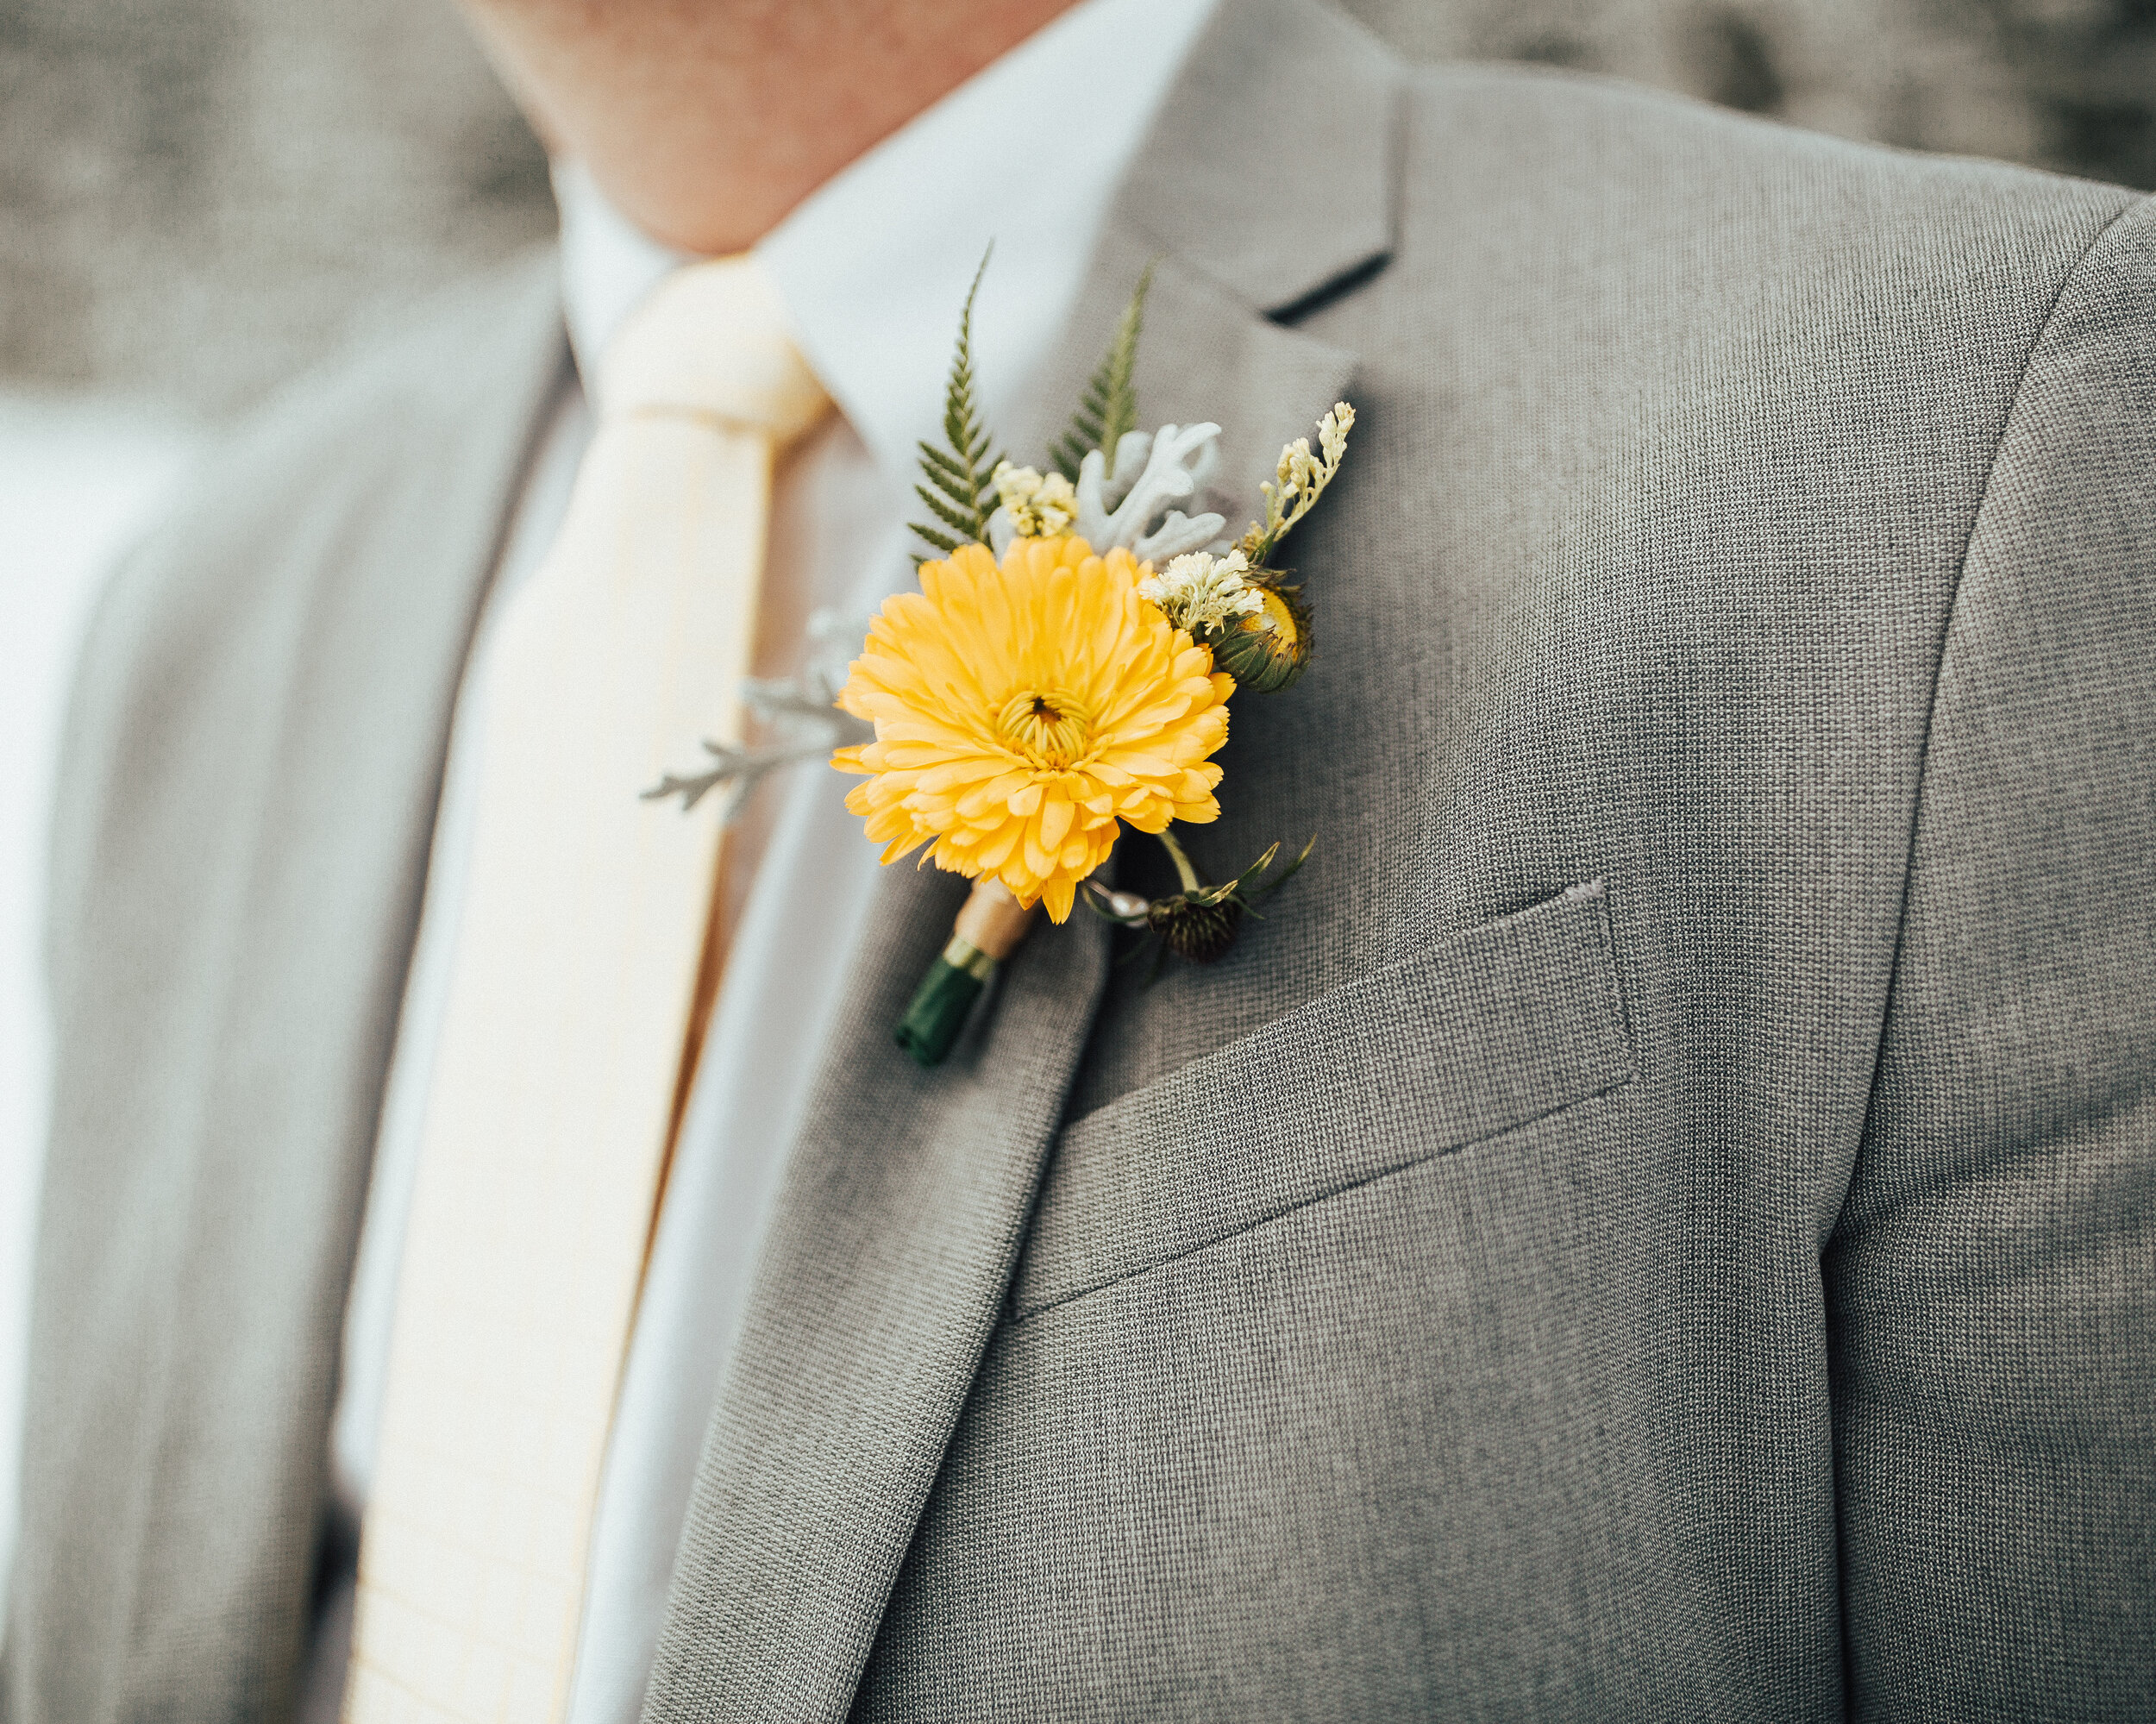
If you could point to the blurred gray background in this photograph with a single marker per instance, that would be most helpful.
(198, 195)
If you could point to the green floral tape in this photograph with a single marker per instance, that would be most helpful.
(941, 1003)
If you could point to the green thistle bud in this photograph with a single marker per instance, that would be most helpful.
(1266, 650)
(1197, 930)
(1200, 922)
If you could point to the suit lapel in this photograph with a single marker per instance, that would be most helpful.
(1208, 354)
(313, 781)
(900, 1217)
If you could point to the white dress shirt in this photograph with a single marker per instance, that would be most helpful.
(874, 267)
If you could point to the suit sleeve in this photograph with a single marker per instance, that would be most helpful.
(1992, 1282)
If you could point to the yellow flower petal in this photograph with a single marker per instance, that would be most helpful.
(1021, 712)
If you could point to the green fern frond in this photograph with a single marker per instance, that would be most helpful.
(958, 482)
(1109, 406)
(944, 466)
(950, 517)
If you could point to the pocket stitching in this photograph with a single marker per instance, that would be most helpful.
(1592, 889)
(1618, 1070)
(1029, 1312)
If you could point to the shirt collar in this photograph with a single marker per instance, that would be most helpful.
(874, 265)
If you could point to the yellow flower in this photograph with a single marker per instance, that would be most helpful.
(1022, 713)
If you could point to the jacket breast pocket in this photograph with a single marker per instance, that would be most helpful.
(1473, 1036)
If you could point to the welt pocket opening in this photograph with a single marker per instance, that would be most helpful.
(1476, 1035)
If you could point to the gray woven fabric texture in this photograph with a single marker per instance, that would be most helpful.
(1992, 1278)
(1657, 1223)
(253, 762)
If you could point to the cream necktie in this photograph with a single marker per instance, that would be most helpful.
(581, 970)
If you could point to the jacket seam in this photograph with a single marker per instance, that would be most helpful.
(1952, 616)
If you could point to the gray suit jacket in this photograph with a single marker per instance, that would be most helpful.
(1659, 1223)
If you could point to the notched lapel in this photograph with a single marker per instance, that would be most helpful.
(1206, 354)
(1273, 165)
(896, 1229)
(896, 1232)
(1267, 184)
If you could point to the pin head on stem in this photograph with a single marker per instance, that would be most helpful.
(1200, 922)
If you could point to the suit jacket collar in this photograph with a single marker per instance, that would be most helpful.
(1272, 168)
(893, 1238)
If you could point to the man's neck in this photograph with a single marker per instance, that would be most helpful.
(707, 120)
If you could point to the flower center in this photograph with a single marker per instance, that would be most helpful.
(1277, 618)
(1047, 725)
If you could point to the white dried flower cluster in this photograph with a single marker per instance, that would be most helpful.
(1201, 590)
(1301, 476)
(1039, 506)
(1332, 432)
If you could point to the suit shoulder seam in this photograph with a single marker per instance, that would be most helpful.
(1949, 616)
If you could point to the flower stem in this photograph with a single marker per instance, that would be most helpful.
(1183, 869)
(987, 931)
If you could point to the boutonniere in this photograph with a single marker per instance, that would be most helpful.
(1065, 672)
(1066, 668)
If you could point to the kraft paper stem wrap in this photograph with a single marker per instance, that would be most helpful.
(987, 931)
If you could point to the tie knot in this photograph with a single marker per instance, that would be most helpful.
(711, 339)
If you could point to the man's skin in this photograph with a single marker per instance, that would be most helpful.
(707, 120)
